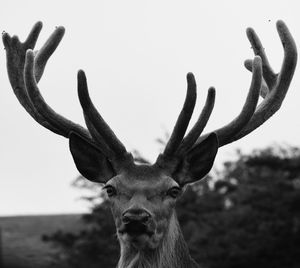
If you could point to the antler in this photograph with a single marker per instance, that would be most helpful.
(95, 122)
(25, 69)
(273, 90)
(272, 87)
(15, 54)
(178, 146)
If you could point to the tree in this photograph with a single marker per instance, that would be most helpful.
(251, 218)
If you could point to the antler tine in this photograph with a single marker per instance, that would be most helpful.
(44, 53)
(197, 129)
(259, 50)
(96, 120)
(281, 81)
(183, 118)
(64, 125)
(33, 35)
(264, 90)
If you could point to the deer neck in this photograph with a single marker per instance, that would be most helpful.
(172, 252)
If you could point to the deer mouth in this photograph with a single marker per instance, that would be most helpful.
(136, 229)
(140, 235)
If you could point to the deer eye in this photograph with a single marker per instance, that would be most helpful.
(110, 190)
(174, 192)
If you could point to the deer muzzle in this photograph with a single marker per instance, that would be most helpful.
(136, 222)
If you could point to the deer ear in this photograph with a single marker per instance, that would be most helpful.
(89, 160)
(198, 161)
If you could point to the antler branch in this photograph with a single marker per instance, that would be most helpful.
(15, 54)
(197, 129)
(25, 69)
(95, 120)
(273, 88)
(61, 123)
(184, 116)
(225, 133)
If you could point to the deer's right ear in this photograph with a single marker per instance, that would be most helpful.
(89, 160)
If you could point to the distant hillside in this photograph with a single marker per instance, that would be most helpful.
(22, 246)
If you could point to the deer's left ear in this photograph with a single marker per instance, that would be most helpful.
(198, 161)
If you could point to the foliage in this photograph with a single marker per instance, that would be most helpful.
(97, 243)
(246, 216)
(251, 218)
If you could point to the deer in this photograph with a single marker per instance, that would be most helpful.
(143, 196)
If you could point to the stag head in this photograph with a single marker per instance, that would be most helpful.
(143, 196)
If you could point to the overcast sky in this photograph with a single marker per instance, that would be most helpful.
(136, 55)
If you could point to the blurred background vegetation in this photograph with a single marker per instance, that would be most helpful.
(247, 214)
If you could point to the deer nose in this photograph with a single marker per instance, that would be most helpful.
(135, 215)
